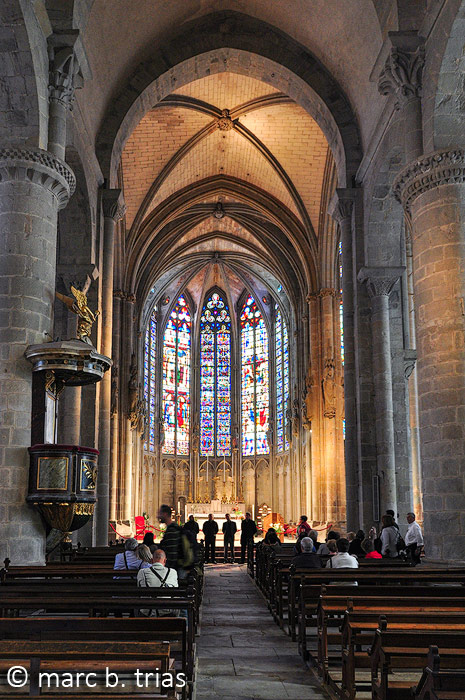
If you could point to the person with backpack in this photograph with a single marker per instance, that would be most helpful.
(158, 575)
(179, 555)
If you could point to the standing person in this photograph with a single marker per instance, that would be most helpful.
(391, 513)
(303, 528)
(413, 538)
(248, 530)
(171, 542)
(389, 537)
(210, 530)
(229, 530)
(193, 526)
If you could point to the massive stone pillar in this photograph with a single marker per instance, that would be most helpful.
(432, 191)
(113, 211)
(34, 185)
(341, 209)
(380, 281)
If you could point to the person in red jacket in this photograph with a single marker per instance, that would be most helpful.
(303, 527)
(369, 548)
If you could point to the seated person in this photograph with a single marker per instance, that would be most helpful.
(272, 540)
(314, 536)
(158, 575)
(332, 535)
(129, 559)
(307, 559)
(355, 546)
(342, 560)
(370, 551)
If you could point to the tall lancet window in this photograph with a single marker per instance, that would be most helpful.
(255, 402)
(215, 377)
(176, 380)
(150, 349)
(282, 379)
(341, 308)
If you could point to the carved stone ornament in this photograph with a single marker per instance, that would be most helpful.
(218, 211)
(225, 123)
(64, 75)
(113, 205)
(438, 168)
(39, 167)
(328, 385)
(379, 280)
(114, 391)
(402, 75)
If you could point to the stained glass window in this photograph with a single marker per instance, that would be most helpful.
(176, 380)
(215, 377)
(341, 323)
(254, 380)
(150, 347)
(282, 379)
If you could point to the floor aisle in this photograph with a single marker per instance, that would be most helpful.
(242, 654)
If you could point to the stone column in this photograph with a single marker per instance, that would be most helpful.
(380, 281)
(432, 191)
(64, 77)
(402, 78)
(113, 211)
(34, 185)
(341, 209)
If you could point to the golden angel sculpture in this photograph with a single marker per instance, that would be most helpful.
(78, 306)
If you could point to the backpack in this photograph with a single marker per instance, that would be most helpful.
(400, 544)
(185, 553)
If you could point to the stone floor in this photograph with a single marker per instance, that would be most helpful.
(242, 654)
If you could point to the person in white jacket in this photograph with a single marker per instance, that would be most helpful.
(389, 537)
(413, 538)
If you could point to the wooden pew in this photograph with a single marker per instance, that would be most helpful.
(331, 608)
(84, 656)
(372, 577)
(443, 678)
(401, 647)
(161, 629)
(358, 629)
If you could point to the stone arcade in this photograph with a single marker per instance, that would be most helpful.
(267, 208)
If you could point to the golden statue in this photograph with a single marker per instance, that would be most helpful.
(78, 306)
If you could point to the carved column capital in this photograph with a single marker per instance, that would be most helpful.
(403, 69)
(342, 204)
(41, 168)
(113, 205)
(64, 70)
(327, 292)
(438, 168)
(379, 280)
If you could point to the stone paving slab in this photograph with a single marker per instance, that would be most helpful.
(241, 653)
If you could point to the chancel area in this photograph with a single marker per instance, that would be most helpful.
(232, 287)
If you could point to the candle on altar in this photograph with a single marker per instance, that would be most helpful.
(179, 507)
(207, 467)
(253, 511)
(224, 469)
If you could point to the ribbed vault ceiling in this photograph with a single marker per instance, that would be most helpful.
(221, 127)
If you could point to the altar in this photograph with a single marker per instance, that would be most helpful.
(201, 511)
